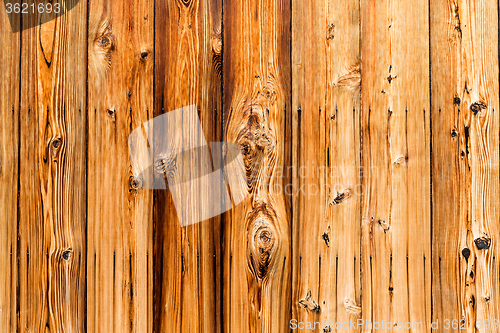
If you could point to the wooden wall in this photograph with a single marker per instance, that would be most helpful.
(369, 130)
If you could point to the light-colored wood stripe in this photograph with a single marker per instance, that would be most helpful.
(326, 105)
(395, 130)
(465, 126)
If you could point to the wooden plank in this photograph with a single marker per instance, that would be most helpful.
(120, 211)
(465, 126)
(257, 117)
(9, 153)
(395, 131)
(188, 55)
(326, 104)
(52, 222)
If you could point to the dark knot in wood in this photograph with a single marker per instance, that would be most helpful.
(482, 243)
(104, 41)
(67, 254)
(135, 183)
(466, 253)
(477, 107)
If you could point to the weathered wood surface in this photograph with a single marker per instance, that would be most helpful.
(52, 195)
(395, 152)
(119, 212)
(370, 135)
(257, 117)
(326, 164)
(188, 60)
(9, 170)
(465, 127)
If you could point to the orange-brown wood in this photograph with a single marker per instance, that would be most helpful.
(9, 167)
(52, 195)
(326, 215)
(465, 127)
(257, 117)
(120, 211)
(395, 153)
(188, 55)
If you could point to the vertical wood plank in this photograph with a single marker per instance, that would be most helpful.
(9, 152)
(257, 117)
(395, 131)
(465, 126)
(326, 105)
(120, 211)
(52, 221)
(188, 60)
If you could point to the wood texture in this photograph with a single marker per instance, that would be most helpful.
(52, 197)
(9, 169)
(370, 136)
(188, 55)
(120, 212)
(257, 117)
(465, 127)
(395, 134)
(326, 164)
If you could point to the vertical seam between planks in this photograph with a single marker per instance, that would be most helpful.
(430, 165)
(290, 162)
(153, 245)
(18, 243)
(222, 230)
(360, 134)
(85, 326)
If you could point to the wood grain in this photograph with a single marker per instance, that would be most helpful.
(370, 136)
(9, 169)
(52, 221)
(395, 131)
(257, 117)
(188, 55)
(120, 211)
(465, 127)
(326, 105)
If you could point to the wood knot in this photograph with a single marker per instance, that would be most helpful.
(482, 243)
(56, 143)
(330, 32)
(456, 101)
(144, 55)
(264, 239)
(454, 133)
(268, 93)
(477, 107)
(341, 197)
(66, 255)
(216, 42)
(401, 160)
(246, 148)
(159, 166)
(326, 237)
(384, 225)
(309, 304)
(104, 41)
(135, 183)
(466, 253)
